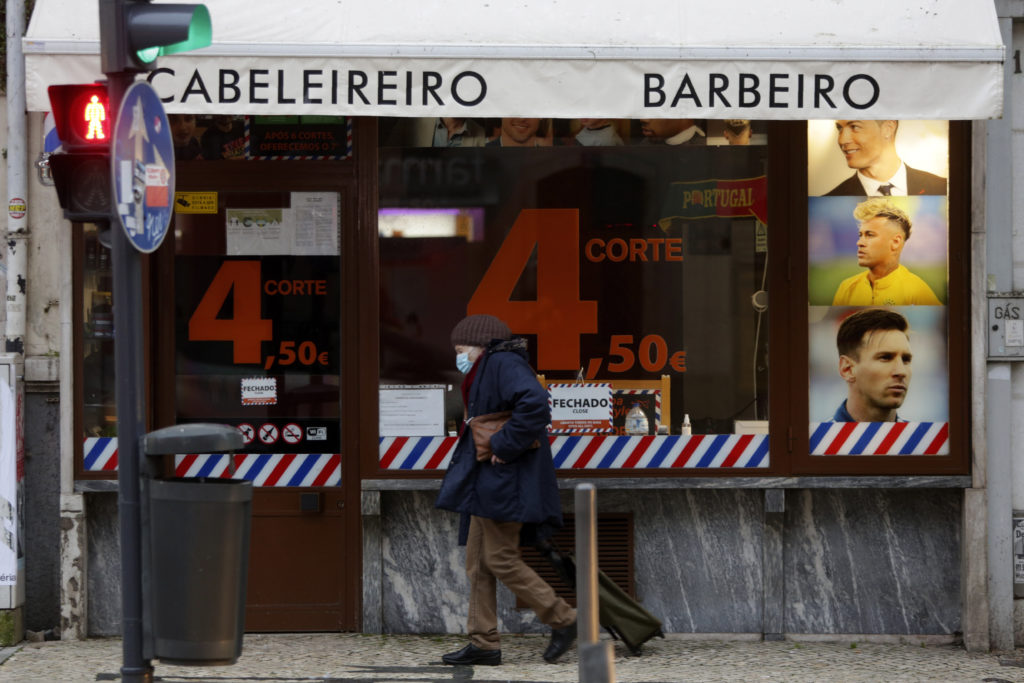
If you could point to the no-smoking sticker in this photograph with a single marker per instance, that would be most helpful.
(269, 433)
(292, 433)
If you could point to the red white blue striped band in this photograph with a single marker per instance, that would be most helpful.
(262, 469)
(879, 438)
(599, 452)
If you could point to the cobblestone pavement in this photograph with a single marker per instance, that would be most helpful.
(297, 658)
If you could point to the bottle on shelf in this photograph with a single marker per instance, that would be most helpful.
(636, 421)
(686, 430)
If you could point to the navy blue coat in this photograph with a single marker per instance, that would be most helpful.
(524, 489)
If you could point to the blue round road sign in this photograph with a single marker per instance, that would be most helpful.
(143, 167)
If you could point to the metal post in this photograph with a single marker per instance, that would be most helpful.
(12, 353)
(596, 664)
(131, 424)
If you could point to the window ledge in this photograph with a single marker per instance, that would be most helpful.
(817, 482)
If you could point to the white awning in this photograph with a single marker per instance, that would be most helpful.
(789, 59)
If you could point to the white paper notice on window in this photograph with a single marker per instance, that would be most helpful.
(317, 226)
(259, 391)
(412, 410)
(311, 226)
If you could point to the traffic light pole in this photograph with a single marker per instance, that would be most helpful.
(126, 263)
(132, 34)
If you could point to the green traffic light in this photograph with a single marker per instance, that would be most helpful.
(148, 54)
(155, 23)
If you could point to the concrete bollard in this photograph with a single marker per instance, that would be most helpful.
(596, 663)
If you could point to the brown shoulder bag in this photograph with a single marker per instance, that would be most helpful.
(485, 426)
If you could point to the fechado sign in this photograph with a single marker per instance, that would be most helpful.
(580, 407)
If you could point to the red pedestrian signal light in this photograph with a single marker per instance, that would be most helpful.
(81, 114)
(81, 173)
(95, 115)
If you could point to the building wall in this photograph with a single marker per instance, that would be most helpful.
(1015, 113)
(3, 251)
(104, 561)
(48, 312)
(854, 561)
(42, 508)
(49, 256)
(47, 268)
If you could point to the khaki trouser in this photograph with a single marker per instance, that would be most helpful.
(492, 552)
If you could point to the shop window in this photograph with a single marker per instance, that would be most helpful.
(98, 416)
(617, 256)
(255, 320)
(257, 332)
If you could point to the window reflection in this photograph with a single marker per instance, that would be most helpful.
(628, 259)
(99, 414)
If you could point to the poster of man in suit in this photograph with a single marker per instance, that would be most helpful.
(869, 158)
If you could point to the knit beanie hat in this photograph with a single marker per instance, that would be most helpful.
(479, 330)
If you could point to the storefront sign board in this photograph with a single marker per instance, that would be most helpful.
(672, 58)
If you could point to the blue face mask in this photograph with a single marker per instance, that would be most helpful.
(463, 363)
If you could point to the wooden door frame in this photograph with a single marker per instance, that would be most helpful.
(356, 181)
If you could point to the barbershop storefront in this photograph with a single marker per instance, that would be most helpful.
(688, 218)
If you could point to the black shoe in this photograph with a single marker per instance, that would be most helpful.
(561, 640)
(471, 654)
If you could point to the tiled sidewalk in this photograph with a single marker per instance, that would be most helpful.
(292, 658)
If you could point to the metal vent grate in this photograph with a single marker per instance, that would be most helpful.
(614, 554)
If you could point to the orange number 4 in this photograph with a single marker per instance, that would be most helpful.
(246, 329)
(558, 317)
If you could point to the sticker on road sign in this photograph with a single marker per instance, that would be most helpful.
(292, 433)
(157, 179)
(247, 432)
(316, 433)
(269, 433)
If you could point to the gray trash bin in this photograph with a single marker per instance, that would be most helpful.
(199, 544)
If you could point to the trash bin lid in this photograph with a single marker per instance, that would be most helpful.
(196, 437)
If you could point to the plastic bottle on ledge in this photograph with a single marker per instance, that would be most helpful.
(636, 421)
(686, 429)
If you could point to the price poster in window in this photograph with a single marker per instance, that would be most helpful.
(258, 346)
(272, 314)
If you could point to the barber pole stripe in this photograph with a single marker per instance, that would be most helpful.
(99, 454)
(879, 438)
(416, 452)
(597, 452)
(264, 469)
